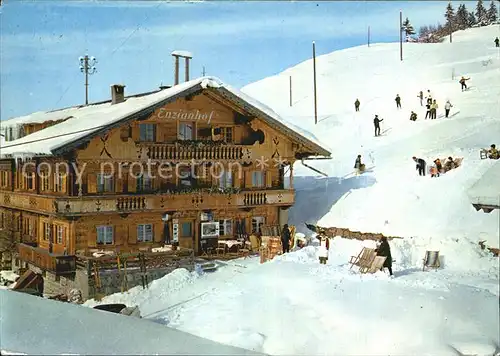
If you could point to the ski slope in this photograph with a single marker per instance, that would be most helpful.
(390, 198)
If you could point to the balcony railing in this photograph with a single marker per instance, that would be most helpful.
(160, 151)
(164, 202)
(59, 264)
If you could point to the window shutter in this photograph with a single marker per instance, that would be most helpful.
(64, 182)
(132, 182)
(268, 179)
(119, 184)
(91, 183)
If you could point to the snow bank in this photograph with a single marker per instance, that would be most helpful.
(35, 325)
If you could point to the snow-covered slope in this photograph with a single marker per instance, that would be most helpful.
(390, 198)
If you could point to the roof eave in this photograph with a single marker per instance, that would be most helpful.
(485, 207)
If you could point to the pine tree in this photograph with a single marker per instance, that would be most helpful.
(492, 13)
(408, 28)
(450, 17)
(462, 18)
(472, 19)
(481, 13)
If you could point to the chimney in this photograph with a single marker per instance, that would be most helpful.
(117, 94)
(187, 56)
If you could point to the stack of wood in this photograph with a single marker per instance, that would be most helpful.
(348, 234)
(271, 249)
(60, 297)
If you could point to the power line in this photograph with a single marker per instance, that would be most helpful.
(116, 49)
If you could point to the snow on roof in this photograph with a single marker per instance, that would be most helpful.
(182, 53)
(272, 114)
(35, 325)
(486, 190)
(82, 121)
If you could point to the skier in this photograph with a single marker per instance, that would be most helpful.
(376, 122)
(420, 165)
(434, 107)
(285, 238)
(324, 247)
(462, 83)
(447, 108)
(421, 97)
(428, 112)
(385, 250)
(497, 42)
(438, 164)
(358, 166)
(356, 104)
(429, 97)
(398, 101)
(413, 116)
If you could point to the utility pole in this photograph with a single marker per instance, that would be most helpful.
(451, 27)
(290, 90)
(203, 71)
(314, 72)
(401, 34)
(87, 66)
(368, 36)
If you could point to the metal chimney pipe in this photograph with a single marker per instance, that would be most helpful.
(187, 69)
(176, 80)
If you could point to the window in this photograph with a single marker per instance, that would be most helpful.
(44, 182)
(227, 134)
(225, 227)
(186, 130)
(47, 231)
(144, 183)
(144, 232)
(4, 179)
(59, 182)
(185, 176)
(186, 229)
(257, 222)
(147, 132)
(104, 183)
(30, 181)
(60, 234)
(258, 179)
(226, 179)
(105, 235)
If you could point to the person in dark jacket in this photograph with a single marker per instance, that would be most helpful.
(285, 238)
(358, 166)
(413, 116)
(428, 112)
(356, 104)
(398, 101)
(497, 42)
(385, 250)
(376, 122)
(420, 166)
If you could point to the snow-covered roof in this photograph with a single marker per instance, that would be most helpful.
(182, 54)
(84, 122)
(33, 325)
(486, 191)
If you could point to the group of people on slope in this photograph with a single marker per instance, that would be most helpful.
(431, 106)
(493, 152)
(437, 168)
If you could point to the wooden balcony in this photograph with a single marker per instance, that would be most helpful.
(59, 264)
(179, 201)
(178, 152)
(25, 201)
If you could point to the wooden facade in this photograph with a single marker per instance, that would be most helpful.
(150, 181)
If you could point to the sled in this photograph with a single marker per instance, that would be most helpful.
(431, 260)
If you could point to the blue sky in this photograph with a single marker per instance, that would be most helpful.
(240, 42)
